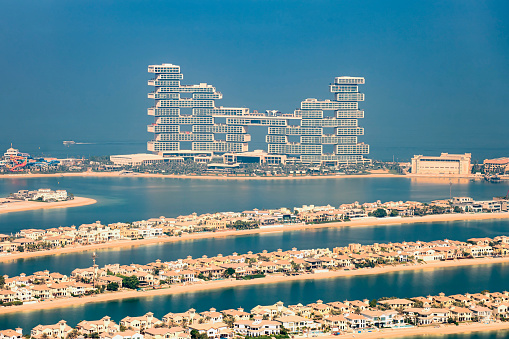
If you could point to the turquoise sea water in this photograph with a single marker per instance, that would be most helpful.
(128, 199)
(403, 284)
(131, 198)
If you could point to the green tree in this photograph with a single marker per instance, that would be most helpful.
(229, 272)
(197, 335)
(373, 303)
(394, 213)
(380, 213)
(2, 281)
(131, 282)
(72, 335)
(112, 286)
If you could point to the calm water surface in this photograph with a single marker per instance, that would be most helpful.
(403, 284)
(131, 198)
(324, 237)
(128, 199)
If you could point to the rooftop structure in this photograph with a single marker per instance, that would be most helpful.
(320, 131)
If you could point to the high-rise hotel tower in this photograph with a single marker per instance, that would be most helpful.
(187, 120)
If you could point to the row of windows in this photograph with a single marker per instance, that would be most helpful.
(165, 128)
(170, 77)
(164, 69)
(349, 80)
(158, 96)
(313, 114)
(327, 139)
(207, 96)
(218, 129)
(328, 105)
(185, 137)
(220, 111)
(350, 114)
(256, 122)
(186, 89)
(164, 111)
(329, 122)
(439, 160)
(295, 149)
(343, 88)
(352, 149)
(238, 137)
(350, 96)
(351, 159)
(276, 139)
(163, 146)
(172, 83)
(185, 103)
(350, 131)
(296, 130)
(219, 146)
(187, 120)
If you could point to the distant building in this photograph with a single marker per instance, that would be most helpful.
(136, 159)
(499, 165)
(444, 164)
(186, 118)
(254, 157)
(44, 194)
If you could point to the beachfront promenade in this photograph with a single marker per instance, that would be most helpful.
(29, 243)
(385, 317)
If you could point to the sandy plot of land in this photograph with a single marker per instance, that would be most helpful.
(10, 205)
(297, 227)
(230, 283)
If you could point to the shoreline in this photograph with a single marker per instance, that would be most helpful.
(232, 177)
(20, 206)
(185, 176)
(298, 227)
(232, 283)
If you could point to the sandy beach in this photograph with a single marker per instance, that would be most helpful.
(230, 283)
(372, 174)
(435, 331)
(298, 227)
(207, 177)
(9, 205)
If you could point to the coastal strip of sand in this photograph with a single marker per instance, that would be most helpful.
(231, 283)
(371, 174)
(187, 176)
(9, 205)
(296, 227)
(432, 330)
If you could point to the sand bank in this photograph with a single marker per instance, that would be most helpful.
(9, 205)
(231, 283)
(434, 331)
(299, 227)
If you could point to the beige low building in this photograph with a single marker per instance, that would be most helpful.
(136, 159)
(444, 164)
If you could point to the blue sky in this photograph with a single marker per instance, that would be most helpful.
(436, 72)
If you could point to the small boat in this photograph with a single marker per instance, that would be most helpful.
(68, 142)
